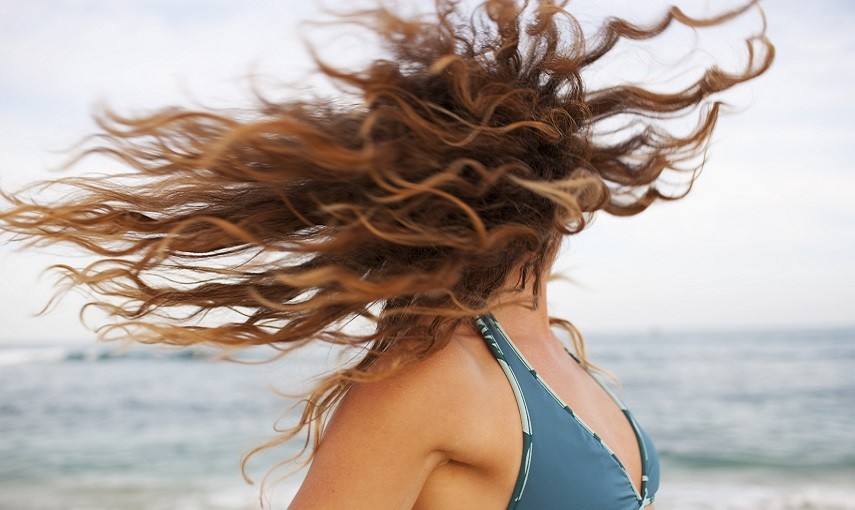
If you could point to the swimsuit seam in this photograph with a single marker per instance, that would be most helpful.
(522, 410)
(636, 491)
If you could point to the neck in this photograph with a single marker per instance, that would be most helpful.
(517, 316)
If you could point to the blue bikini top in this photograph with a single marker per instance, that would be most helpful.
(565, 464)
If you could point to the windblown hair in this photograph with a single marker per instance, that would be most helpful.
(467, 154)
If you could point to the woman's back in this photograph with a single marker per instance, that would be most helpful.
(438, 434)
(453, 424)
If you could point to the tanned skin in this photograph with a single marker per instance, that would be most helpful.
(445, 432)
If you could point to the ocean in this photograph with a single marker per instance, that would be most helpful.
(741, 420)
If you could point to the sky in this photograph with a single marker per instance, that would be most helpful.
(765, 239)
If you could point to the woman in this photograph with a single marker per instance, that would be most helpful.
(431, 201)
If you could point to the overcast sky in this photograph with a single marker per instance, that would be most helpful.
(766, 238)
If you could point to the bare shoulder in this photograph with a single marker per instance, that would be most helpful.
(387, 437)
(435, 396)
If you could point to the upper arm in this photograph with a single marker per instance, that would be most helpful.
(386, 437)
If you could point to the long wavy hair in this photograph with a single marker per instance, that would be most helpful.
(466, 154)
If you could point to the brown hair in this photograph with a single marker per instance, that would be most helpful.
(468, 152)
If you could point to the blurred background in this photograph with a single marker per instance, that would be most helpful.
(728, 315)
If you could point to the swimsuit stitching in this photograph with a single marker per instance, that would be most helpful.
(578, 419)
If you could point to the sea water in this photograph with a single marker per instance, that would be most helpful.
(741, 420)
